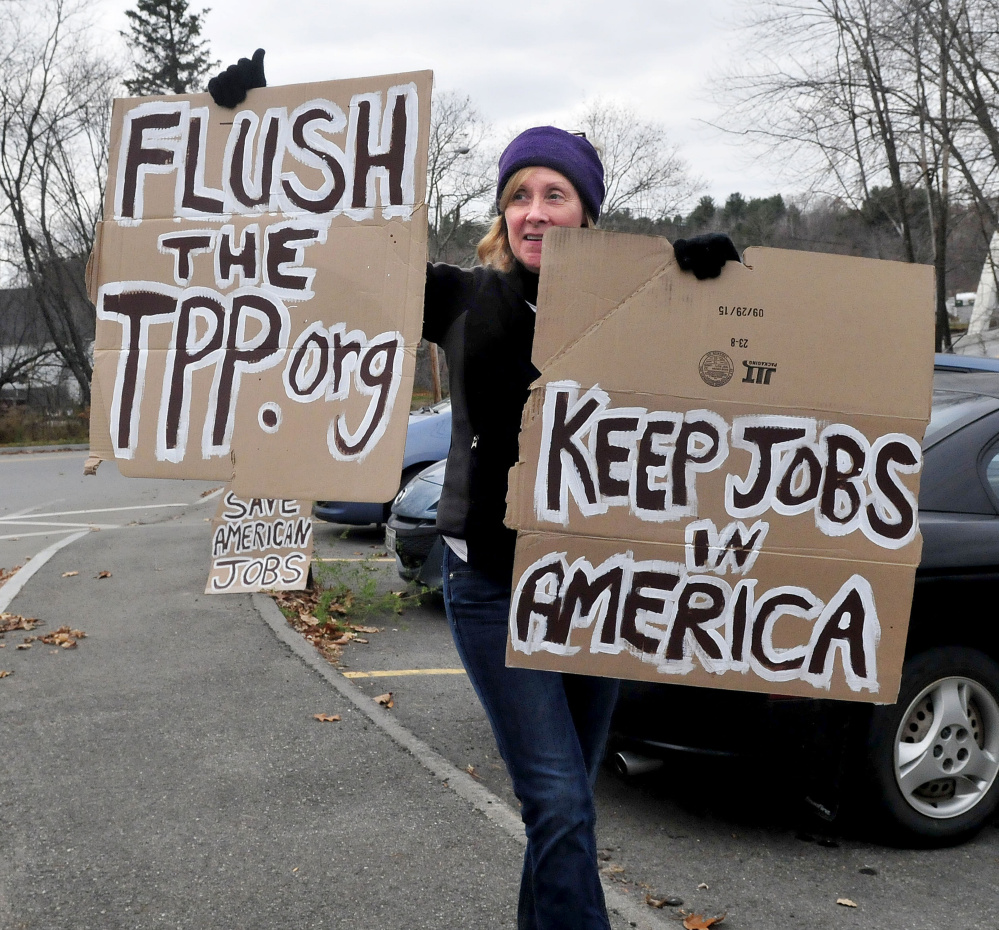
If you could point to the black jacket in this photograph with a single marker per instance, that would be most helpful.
(484, 323)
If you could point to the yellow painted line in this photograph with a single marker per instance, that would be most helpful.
(364, 559)
(405, 671)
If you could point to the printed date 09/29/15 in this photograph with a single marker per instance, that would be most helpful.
(725, 310)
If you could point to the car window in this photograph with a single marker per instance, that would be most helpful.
(948, 406)
(960, 469)
(992, 469)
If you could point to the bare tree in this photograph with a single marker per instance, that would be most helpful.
(23, 344)
(55, 98)
(459, 182)
(643, 171)
(861, 95)
(966, 35)
(459, 174)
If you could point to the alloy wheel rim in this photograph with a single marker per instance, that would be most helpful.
(947, 748)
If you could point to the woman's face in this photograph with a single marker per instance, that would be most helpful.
(544, 199)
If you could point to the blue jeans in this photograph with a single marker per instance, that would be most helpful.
(551, 730)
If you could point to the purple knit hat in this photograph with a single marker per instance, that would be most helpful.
(548, 147)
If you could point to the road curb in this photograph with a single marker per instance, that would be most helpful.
(54, 447)
(480, 798)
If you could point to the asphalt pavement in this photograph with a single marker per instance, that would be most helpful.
(169, 771)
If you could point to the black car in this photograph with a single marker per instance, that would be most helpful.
(928, 765)
(428, 438)
(411, 530)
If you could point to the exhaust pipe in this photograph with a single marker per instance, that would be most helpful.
(627, 763)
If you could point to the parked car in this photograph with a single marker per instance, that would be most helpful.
(946, 361)
(411, 531)
(928, 764)
(428, 438)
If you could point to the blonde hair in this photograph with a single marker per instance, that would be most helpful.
(494, 249)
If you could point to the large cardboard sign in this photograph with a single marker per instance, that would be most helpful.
(260, 545)
(717, 481)
(259, 287)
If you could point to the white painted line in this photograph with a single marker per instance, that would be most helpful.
(12, 588)
(393, 673)
(10, 455)
(27, 512)
(10, 524)
(24, 515)
(53, 532)
(461, 783)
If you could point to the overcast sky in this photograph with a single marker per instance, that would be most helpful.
(523, 63)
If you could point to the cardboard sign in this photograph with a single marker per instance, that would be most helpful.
(259, 287)
(718, 479)
(260, 545)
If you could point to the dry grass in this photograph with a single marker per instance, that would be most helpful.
(20, 426)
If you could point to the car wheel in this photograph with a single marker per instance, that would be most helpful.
(934, 755)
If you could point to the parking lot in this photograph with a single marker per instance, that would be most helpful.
(179, 709)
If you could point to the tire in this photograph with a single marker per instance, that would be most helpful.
(934, 755)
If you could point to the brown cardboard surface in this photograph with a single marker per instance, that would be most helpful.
(717, 480)
(260, 545)
(259, 287)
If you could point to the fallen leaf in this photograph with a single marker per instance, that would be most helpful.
(613, 869)
(5, 674)
(64, 636)
(703, 886)
(471, 771)
(700, 922)
(846, 902)
(385, 699)
(10, 622)
(357, 628)
(24, 645)
(363, 642)
(104, 574)
(70, 574)
(327, 718)
(655, 902)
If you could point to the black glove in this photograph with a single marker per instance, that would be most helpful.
(705, 255)
(228, 89)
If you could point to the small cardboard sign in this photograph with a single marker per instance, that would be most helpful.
(259, 287)
(260, 545)
(718, 479)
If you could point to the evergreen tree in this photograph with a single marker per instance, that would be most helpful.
(170, 55)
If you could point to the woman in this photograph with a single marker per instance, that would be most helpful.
(551, 728)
